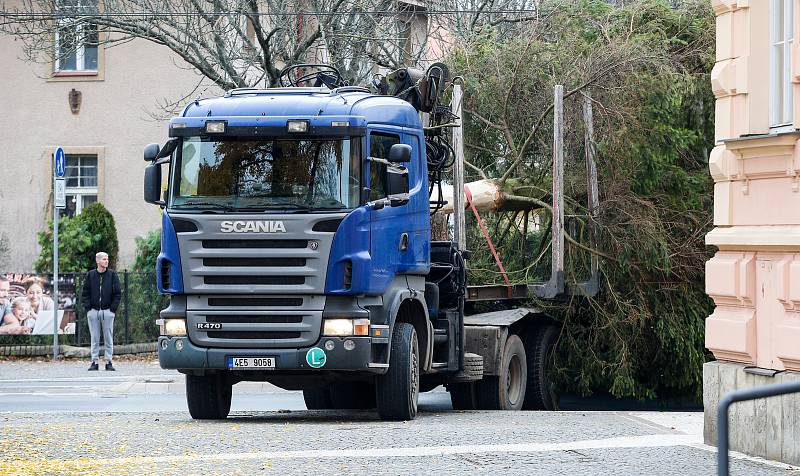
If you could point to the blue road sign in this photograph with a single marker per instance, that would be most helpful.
(60, 162)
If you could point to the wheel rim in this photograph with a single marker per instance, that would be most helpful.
(514, 380)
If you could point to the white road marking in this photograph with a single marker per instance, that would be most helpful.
(98, 378)
(648, 441)
(47, 394)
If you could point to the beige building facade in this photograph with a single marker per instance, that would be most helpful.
(754, 277)
(99, 106)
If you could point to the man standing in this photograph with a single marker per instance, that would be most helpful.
(100, 296)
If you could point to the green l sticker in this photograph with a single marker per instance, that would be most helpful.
(316, 357)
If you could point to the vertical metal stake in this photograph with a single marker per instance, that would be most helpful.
(592, 192)
(459, 228)
(558, 188)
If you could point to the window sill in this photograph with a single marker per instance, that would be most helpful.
(88, 75)
(59, 74)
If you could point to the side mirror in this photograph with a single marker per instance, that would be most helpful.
(400, 153)
(152, 183)
(397, 184)
(151, 152)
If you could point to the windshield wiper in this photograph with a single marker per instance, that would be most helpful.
(221, 206)
(299, 206)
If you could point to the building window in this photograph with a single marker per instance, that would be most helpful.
(81, 175)
(781, 37)
(76, 40)
(76, 47)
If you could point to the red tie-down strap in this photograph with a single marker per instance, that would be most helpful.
(488, 240)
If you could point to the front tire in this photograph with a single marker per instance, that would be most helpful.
(318, 398)
(397, 391)
(209, 396)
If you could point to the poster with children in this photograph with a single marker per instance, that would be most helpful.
(26, 304)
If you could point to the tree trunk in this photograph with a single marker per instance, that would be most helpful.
(489, 196)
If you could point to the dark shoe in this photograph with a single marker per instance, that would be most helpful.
(109, 366)
(93, 366)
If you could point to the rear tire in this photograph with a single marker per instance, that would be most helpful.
(318, 398)
(397, 391)
(208, 396)
(464, 396)
(540, 393)
(507, 390)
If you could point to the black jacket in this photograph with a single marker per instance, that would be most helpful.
(101, 290)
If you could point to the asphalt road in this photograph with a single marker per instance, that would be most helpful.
(57, 418)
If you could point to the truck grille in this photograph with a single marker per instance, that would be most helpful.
(264, 280)
(264, 290)
(255, 328)
(253, 335)
(255, 302)
(254, 244)
(254, 262)
(262, 319)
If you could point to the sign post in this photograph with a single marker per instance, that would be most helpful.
(59, 202)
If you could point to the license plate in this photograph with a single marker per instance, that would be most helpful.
(251, 363)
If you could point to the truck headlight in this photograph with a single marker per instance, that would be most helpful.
(345, 327)
(172, 327)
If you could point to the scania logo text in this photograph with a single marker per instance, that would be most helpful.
(252, 227)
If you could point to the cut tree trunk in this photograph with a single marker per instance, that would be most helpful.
(489, 196)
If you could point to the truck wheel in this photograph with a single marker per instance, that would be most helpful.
(208, 396)
(464, 396)
(397, 391)
(507, 390)
(318, 398)
(540, 394)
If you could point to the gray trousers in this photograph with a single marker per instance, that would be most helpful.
(104, 318)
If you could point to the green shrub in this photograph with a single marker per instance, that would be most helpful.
(103, 230)
(79, 238)
(74, 243)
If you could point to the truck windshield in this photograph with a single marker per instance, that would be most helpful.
(234, 174)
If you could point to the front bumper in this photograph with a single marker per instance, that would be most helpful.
(192, 357)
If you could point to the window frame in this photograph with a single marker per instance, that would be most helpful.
(80, 49)
(80, 192)
(379, 166)
(781, 93)
(355, 144)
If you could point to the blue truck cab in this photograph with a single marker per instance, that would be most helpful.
(295, 233)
